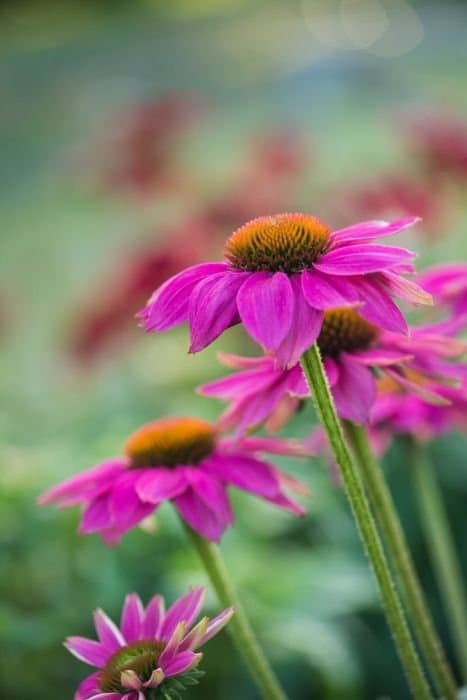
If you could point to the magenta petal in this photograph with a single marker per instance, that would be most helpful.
(332, 370)
(369, 230)
(153, 617)
(127, 509)
(212, 492)
(199, 516)
(402, 288)
(265, 304)
(323, 292)
(355, 391)
(88, 687)
(275, 446)
(109, 634)
(96, 516)
(186, 609)
(362, 259)
(158, 485)
(213, 307)
(83, 485)
(87, 650)
(241, 383)
(380, 357)
(304, 329)
(132, 618)
(168, 306)
(378, 307)
(246, 473)
(181, 663)
(115, 696)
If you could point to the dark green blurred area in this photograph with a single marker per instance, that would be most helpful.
(65, 68)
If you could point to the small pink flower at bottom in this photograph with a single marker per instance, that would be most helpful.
(353, 351)
(182, 460)
(279, 276)
(140, 659)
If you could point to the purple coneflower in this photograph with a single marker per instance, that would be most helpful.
(352, 349)
(281, 273)
(182, 460)
(138, 660)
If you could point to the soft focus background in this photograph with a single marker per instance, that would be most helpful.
(135, 136)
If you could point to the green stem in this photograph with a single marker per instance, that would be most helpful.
(399, 555)
(316, 377)
(239, 626)
(442, 549)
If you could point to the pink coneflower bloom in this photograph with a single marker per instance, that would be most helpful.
(448, 286)
(182, 460)
(149, 649)
(353, 352)
(281, 273)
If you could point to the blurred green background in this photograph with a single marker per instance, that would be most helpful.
(338, 75)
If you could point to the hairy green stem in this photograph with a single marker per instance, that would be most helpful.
(399, 555)
(442, 550)
(316, 377)
(239, 626)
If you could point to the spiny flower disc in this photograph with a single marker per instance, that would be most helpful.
(140, 657)
(170, 442)
(287, 243)
(343, 330)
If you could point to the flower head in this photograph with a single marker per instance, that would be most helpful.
(354, 352)
(139, 660)
(280, 275)
(182, 460)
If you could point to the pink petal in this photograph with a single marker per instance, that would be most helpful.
(240, 383)
(127, 509)
(402, 288)
(238, 361)
(213, 493)
(173, 644)
(332, 370)
(110, 696)
(132, 618)
(369, 230)
(87, 650)
(109, 634)
(96, 516)
(182, 663)
(379, 307)
(275, 446)
(355, 391)
(186, 609)
(76, 489)
(213, 307)
(199, 516)
(153, 617)
(216, 624)
(323, 292)
(362, 259)
(304, 329)
(88, 687)
(285, 503)
(265, 304)
(168, 306)
(380, 357)
(246, 473)
(160, 484)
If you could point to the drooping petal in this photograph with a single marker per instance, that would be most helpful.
(378, 307)
(324, 292)
(362, 259)
(246, 473)
(199, 516)
(403, 288)
(304, 329)
(213, 493)
(240, 383)
(381, 357)
(213, 307)
(183, 662)
(158, 485)
(355, 391)
(107, 631)
(126, 508)
(369, 230)
(110, 696)
(168, 306)
(275, 446)
(77, 488)
(87, 650)
(172, 645)
(153, 617)
(265, 304)
(96, 515)
(186, 609)
(332, 370)
(131, 622)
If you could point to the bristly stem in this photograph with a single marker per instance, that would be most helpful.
(317, 380)
(239, 626)
(442, 550)
(399, 555)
